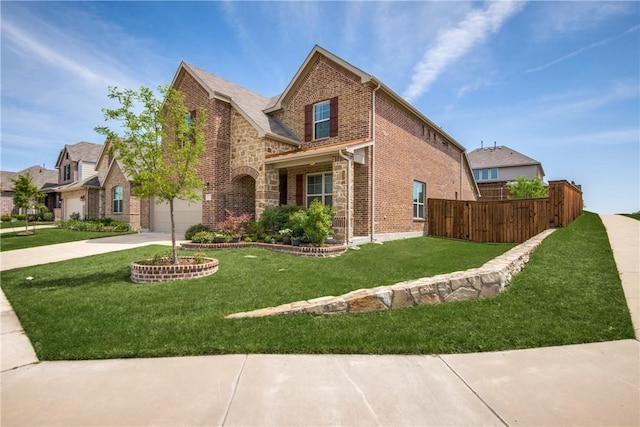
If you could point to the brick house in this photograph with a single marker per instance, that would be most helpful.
(495, 167)
(92, 183)
(116, 200)
(40, 176)
(337, 134)
(77, 189)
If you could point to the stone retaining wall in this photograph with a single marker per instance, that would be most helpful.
(486, 281)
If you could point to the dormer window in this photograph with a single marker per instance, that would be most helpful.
(67, 173)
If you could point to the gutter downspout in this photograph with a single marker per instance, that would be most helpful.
(348, 216)
(373, 162)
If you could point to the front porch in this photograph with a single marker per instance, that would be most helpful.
(336, 174)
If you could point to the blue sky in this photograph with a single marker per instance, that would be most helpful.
(557, 81)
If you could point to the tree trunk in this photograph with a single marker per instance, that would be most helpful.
(174, 251)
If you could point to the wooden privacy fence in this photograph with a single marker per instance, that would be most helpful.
(505, 221)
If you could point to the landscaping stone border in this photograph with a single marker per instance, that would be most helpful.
(145, 273)
(486, 281)
(306, 251)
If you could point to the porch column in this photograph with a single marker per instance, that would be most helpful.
(267, 189)
(343, 198)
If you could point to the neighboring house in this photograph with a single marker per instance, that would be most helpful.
(116, 200)
(495, 167)
(78, 188)
(41, 178)
(336, 134)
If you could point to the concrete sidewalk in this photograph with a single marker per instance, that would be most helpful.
(624, 235)
(591, 384)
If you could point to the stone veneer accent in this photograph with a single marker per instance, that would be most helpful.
(306, 251)
(143, 273)
(486, 281)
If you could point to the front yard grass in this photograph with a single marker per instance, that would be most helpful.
(48, 236)
(569, 293)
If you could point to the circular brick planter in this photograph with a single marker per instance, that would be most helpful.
(145, 272)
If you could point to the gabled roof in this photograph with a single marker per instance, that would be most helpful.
(248, 103)
(500, 156)
(365, 78)
(85, 151)
(40, 176)
(304, 69)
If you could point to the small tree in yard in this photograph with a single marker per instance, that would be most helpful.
(523, 188)
(26, 195)
(160, 147)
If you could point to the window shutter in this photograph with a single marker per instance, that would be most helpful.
(299, 190)
(308, 122)
(333, 119)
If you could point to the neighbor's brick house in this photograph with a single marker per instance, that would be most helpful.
(92, 183)
(116, 199)
(40, 177)
(337, 134)
(77, 189)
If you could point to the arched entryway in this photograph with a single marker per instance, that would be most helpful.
(241, 198)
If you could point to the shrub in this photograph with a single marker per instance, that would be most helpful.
(47, 216)
(297, 221)
(195, 229)
(319, 222)
(6, 218)
(20, 217)
(75, 216)
(203, 237)
(276, 218)
(99, 225)
(234, 225)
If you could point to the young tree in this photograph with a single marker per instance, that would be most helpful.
(160, 147)
(523, 188)
(26, 194)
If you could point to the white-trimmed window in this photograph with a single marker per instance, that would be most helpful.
(485, 174)
(321, 120)
(418, 199)
(118, 197)
(320, 186)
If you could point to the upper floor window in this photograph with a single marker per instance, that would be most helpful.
(485, 174)
(320, 186)
(418, 199)
(321, 120)
(118, 197)
(67, 173)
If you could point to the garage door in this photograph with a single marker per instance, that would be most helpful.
(185, 215)
(71, 205)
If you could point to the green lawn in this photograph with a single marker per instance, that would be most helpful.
(47, 236)
(84, 309)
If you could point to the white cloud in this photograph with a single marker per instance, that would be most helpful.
(570, 16)
(453, 43)
(583, 49)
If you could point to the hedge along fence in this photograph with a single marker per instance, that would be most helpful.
(505, 221)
